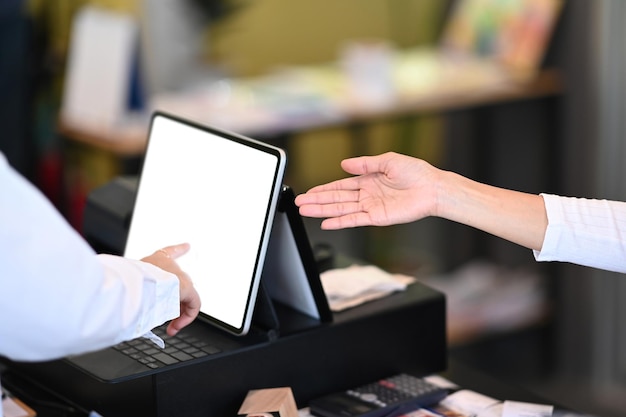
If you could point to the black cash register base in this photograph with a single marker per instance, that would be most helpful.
(405, 332)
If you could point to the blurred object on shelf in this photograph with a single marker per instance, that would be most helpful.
(484, 298)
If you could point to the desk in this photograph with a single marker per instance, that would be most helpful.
(457, 372)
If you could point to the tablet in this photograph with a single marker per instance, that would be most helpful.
(217, 191)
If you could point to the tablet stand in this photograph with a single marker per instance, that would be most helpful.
(290, 278)
(264, 319)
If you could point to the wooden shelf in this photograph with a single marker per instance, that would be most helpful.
(130, 140)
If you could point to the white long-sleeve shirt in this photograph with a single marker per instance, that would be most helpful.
(57, 297)
(585, 232)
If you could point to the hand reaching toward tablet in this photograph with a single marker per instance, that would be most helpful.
(189, 299)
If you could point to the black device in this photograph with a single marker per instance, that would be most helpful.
(290, 300)
(387, 397)
(313, 356)
(230, 223)
(404, 332)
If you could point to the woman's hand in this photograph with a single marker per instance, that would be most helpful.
(387, 189)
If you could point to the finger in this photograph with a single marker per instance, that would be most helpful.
(330, 210)
(177, 324)
(328, 197)
(348, 184)
(175, 251)
(187, 316)
(364, 164)
(347, 221)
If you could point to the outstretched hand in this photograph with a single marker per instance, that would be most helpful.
(189, 299)
(386, 189)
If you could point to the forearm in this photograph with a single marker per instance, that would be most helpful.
(512, 215)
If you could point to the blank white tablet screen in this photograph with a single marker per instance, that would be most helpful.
(200, 186)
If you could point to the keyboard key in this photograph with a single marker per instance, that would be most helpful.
(182, 356)
(165, 358)
(179, 348)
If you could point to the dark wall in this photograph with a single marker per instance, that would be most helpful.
(15, 85)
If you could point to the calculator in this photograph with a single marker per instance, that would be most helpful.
(388, 397)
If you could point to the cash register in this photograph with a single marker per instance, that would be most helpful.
(403, 332)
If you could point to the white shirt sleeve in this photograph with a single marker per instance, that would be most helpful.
(57, 297)
(586, 232)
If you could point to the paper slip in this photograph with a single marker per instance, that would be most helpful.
(468, 402)
(357, 284)
(520, 409)
(442, 382)
(493, 411)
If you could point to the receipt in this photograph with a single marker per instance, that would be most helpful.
(520, 409)
(469, 403)
(356, 284)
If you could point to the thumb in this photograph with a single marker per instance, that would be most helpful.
(363, 165)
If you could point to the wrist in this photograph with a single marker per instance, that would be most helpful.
(444, 195)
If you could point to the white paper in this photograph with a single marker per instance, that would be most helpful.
(441, 382)
(493, 411)
(100, 61)
(522, 409)
(468, 402)
(356, 284)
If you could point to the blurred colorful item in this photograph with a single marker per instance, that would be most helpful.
(512, 32)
